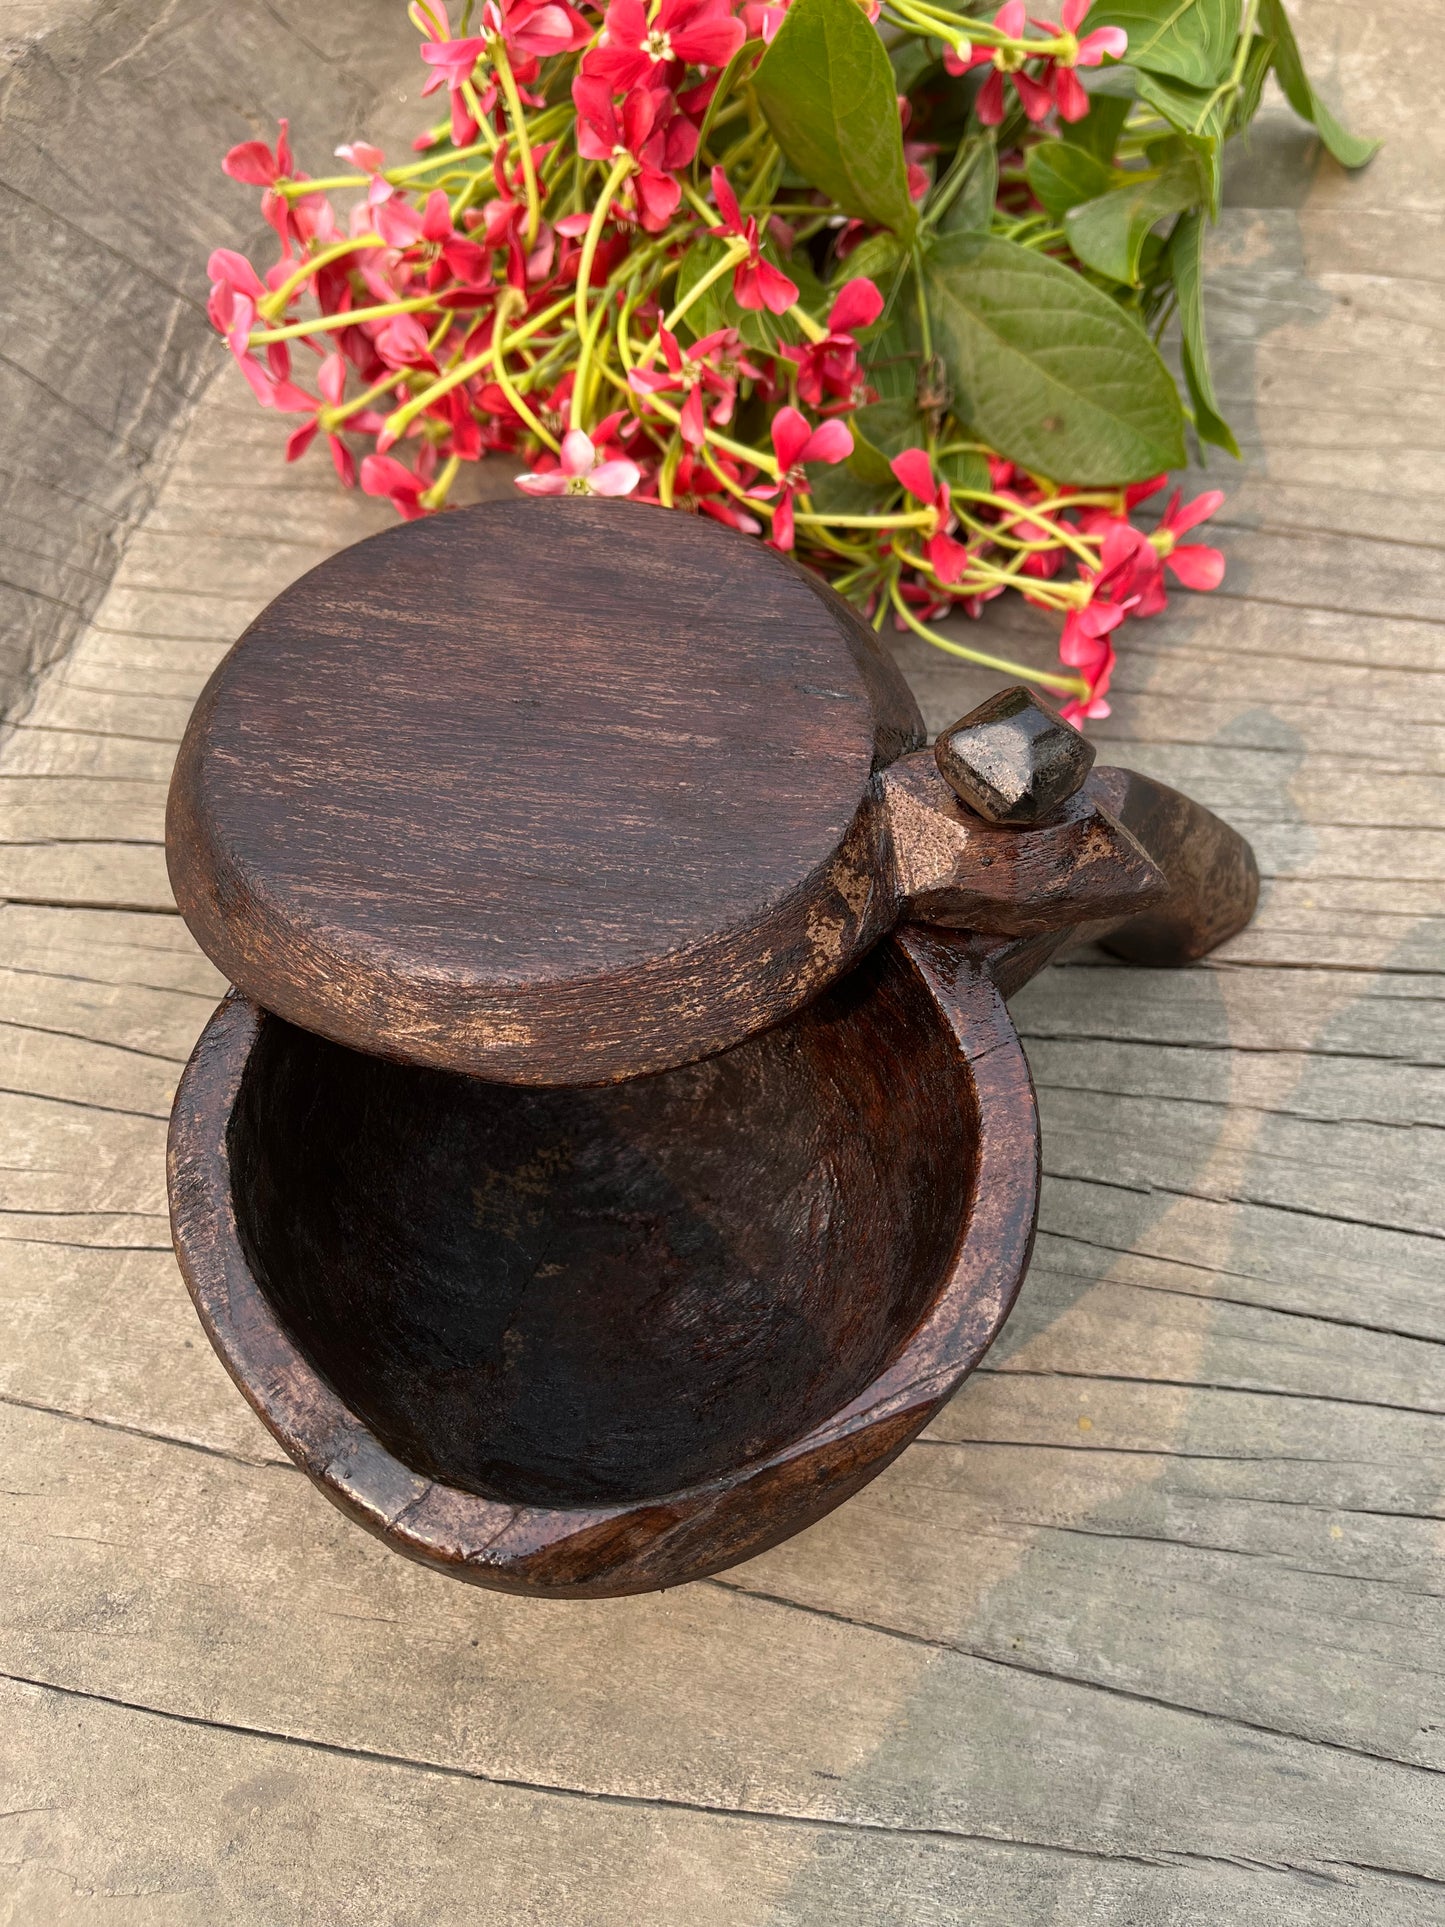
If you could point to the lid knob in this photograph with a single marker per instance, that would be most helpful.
(1012, 760)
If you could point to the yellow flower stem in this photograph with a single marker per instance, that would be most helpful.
(433, 497)
(1068, 685)
(737, 252)
(270, 305)
(401, 418)
(330, 419)
(850, 551)
(924, 519)
(504, 382)
(812, 329)
(750, 502)
(397, 176)
(983, 574)
(754, 457)
(327, 323)
(618, 173)
(1058, 533)
(474, 108)
(700, 207)
(667, 474)
(503, 66)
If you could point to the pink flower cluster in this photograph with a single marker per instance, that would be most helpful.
(1054, 85)
(1126, 580)
(523, 313)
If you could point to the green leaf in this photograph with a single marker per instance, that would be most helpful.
(1256, 70)
(716, 308)
(1193, 110)
(964, 199)
(740, 62)
(1348, 149)
(838, 489)
(876, 255)
(1047, 369)
(1108, 234)
(813, 297)
(965, 468)
(882, 430)
(910, 60)
(1062, 175)
(1098, 132)
(890, 359)
(1192, 40)
(827, 90)
(1186, 249)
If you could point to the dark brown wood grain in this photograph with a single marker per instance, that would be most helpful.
(553, 792)
(597, 1342)
(581, 1192)
(567, 825)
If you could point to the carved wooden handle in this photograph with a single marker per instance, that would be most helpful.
(1002, 830)
(1210, 870)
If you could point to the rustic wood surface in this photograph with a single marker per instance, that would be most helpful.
(584, 1343)
(1147, 1627)
(497, 820)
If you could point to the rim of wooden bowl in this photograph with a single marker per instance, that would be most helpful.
(612, 1549)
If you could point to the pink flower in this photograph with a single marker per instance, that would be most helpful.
(695, 487)
(1079, 710)
(471, 264)
(235, 290)
(1011, 19)
(1196, 566)
(795, 445)
(830, 366)
(947, 559)
(254, 164)
(762, 18)
(696, 375)
(452, 63)
(385, 475)
(537, 27)
(648, 127)
(580, 473)
(756, 282)
(634, 51)
(331, 380)
(1068, 96)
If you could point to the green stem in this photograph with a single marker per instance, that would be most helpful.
(618, 173)
(270, 305)
(924, 519)
(401, 418)
(433, 497)
(503, 67)
(325, 323)
(1070, 685)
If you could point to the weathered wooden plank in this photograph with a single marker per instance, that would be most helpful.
(1259, 1609)
(128, 876)
(89, 809)
(112, 1808)
(1315, 1450)
(106, 947)
(921, 1735)
(62, 1157)
(1382, 1014)
(31, 750)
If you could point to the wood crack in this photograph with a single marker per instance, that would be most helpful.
(1109, 1687)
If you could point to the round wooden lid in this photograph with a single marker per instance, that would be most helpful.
(551, 792)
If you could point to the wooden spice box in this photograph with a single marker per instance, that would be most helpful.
(617, 1146)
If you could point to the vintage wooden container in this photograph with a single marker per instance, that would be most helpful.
(616, 1146)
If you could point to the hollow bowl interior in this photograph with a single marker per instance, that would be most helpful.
(588, 1296)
